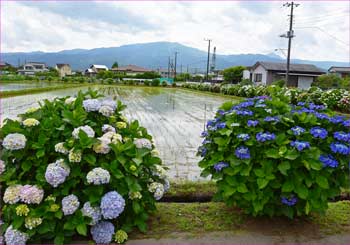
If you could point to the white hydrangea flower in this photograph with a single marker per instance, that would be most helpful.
(74, 156)
(14, 141)
(91, 105)
(135, 195)
(112, 137)
(87, 129)
(30, 122)
(59, 147)
(110, 103)
(70, 100)
(98, 176)
(143, 143)
(32, 110)
(160, 172)
(102, 147)
(108, 128)
(157, 189)
(155, 153)
(12, 194)
(106, 111)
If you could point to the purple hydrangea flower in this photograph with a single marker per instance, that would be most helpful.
(328, 161)
(91, 105)
(346, 123)
(203, 151)
(297, 130)
(244, 113)
(112, 205)
(204, 134)
(70, 204)
(242, 152)
(252, 123)
(220, 165)
(291, 201)
(221, 112)
(220, 125)
(205, 141)
(243, 137)
(110, 103)
(342, 136)
(13, 236)
(31, 194)
(340, 148)
(300, 145)
(318, 132)
(57, 172)
(271, 119)
(102, 233)
(265, 136)
(93, 212)
(337, 119)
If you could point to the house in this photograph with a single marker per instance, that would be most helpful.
(130, 70)
(30, 68)
(63, 70)
(340, 71)
(4, 65)
(300, 75)
(94, 69)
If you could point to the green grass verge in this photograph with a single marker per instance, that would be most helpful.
(188, 189)
(199, 218)
(12, 93)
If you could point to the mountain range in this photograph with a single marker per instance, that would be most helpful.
(150, 55)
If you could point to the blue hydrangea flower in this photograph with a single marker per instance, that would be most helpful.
(346, 123)
(318, 132)
(297, 130)
(205, 141)
(337, 119)
(242, 152)
(204, 134)
(291, 201)
(57, 172)
(342, 136)
(103, 232)
(317, 107)
(271, 119)
(243, 137)
(220, 125)
(70, 204)
(220, 165)
(244, 113)
(221, 112)
(252, 123)
(203, 151)
(265, 136)
(328, 161)
(244, 104)
(14, 236)
(112, 205)
(301, 103)
(300, 145)
(340, 148)
(322, 116)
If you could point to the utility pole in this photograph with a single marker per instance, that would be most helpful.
(169, 67)
(175, 65)
(290, 35)
(209, 40)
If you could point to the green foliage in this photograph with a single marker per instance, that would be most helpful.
(155, 82)
(274, 169)
(115, 65)
(246, 82)
(148, 75)
(132, 168)
(164, 84)
(233, 74)
(280, 83)
(327, 81)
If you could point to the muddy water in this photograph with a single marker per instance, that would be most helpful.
(174, 117)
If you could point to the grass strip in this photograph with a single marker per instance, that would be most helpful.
(12, 93)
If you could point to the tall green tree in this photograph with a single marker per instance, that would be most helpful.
(233, 74)
(115, 65)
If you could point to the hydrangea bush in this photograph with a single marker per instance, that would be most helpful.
(76, 166)
(272, 158)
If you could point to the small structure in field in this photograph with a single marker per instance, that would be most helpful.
(63, 70)
(94, 69)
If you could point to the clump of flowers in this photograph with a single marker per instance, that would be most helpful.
(57, 172)
(70, 204)
(102, 233)
(276, 158)
(14, 141)
(30, 122)
(70, 165)
(157, 189)
(112, 205)
(98, 176)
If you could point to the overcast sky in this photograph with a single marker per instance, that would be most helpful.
(321, 28)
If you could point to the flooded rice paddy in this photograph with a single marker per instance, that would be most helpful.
(21, 86)
(174, 117)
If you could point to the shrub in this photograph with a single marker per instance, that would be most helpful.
(146, 83)
(271, 158)
(164, 84)
(174, 84)
(281, 83)
(327, 81)
(246, 82)
(75, 163)
(155, 82)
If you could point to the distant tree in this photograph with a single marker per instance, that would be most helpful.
(148, 75)
(115, 65)
(233, 74)
(327, 81)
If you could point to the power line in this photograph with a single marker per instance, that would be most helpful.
(329, 14)
(320, 29)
